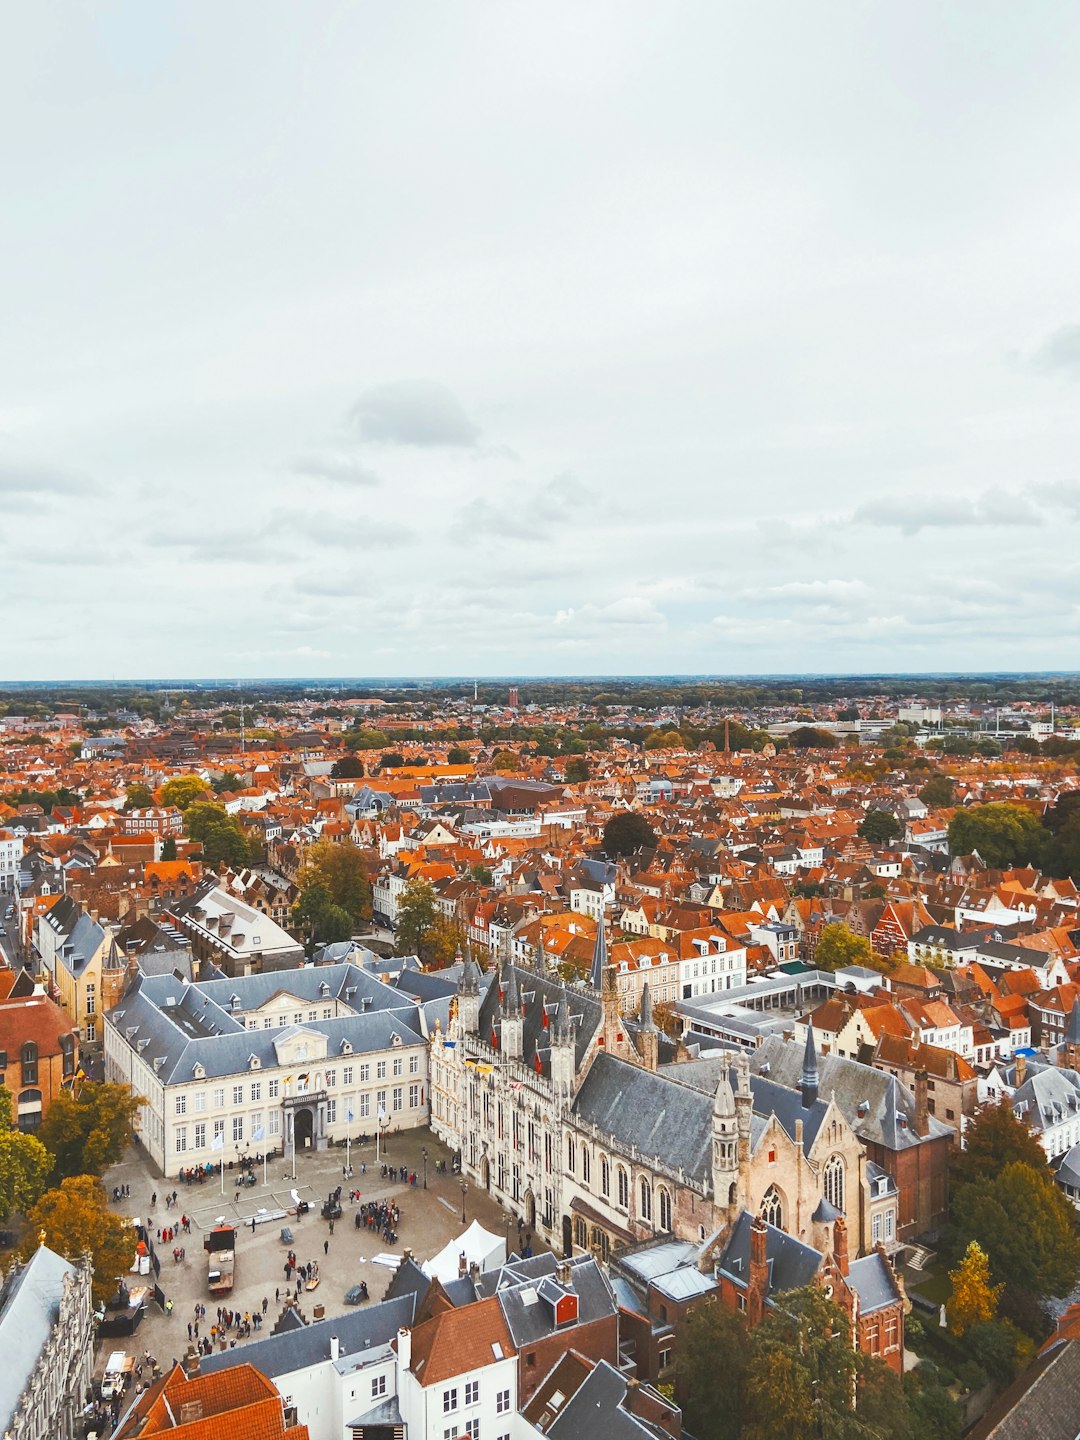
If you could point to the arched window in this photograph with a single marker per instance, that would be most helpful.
(834, 1182)
(581, 1233)
(586, 1164)
(645, 1209)
(624, 1188)
(605, 1175)
(570, 1153)
(665, 1209)
(772, 1208)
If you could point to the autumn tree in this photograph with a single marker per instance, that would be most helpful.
(837, 947)
(505, 762)
(184, 790)
(416, 915)
(76, 1220)
(994, 1138)
(342, 869)
(1004, 834)
(24, 1162)
(88, 1134)
(974, 1300)
(713, 1355)
(627, 832)
(138, 796)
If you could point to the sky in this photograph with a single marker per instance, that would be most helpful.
(505, 338)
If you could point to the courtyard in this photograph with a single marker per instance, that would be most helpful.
(430, 1219)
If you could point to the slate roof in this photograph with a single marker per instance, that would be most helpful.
(29, 1306)
(791, 1264)
(537, 993)
(768, 1096)
(597, 1409)
(1041, 1404)
(1048, 1098)
(667, 1121)
(528, 1306)
(357, 1331)
(872, 1281)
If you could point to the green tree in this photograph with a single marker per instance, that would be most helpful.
(938, 791)
(505, 762)
(349, 767)
(221, 836)
(392, 760)
(139, 796)
(363, 738)
(837, 947)
(341, 868)
(713, 1355)
(577, 770)
(168, 848)
(1026, 1226)
(87, 1135)
(879, 827)
(184, 790)
(626, 833)
(417, 911)
(480, 873)
(76, 1220)
(458, 755)
(24, 1162)
(810, 737)
(994, 1138)
(665, 740)
(228, 781)
(1004, 834)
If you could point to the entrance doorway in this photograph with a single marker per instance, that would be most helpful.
(303, 1129)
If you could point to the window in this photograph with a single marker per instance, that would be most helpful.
(378, 1386)
(397, 1065)
(414, 1064)
(238, 1094)
(256, 1090)
(346, 1075)
(67, 1046)
(398, 1101)
(29, 1063)
(834, 1182)
(586, 1165)
(91, 999)
(472, 1392)
(645, 1192)
(365, 1074)
(472, 1429)
(181, 1139)
(581, 1233)
(665, 1209)
(200, 1100)
(200, 1135)
(772, 1208)
(449, 1401)
(414, 1096)
(273, 1089)
(570, 1153)
(331, 1079)
(605, 1175)
(875, 1228)
(181, 1104)
(365, 1107)
(380, 1100)
(275, 1122)
(331, 1112)
(623, 1188)
(326, 1012)
(890, 1220)
(380, 1070)
(502, 1402)
(219, 1131)
(665, 1358)
(237, 1127)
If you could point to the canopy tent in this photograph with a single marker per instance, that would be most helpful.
(480, 1248)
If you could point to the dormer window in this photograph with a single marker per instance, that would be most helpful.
(346, 1048)
(198, 1072)
(254, 1063)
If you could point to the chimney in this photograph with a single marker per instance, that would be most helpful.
(922, 1103)
(840, 1250)
(404, 1348)
(563, 1273)
(335, 1347)
(1021, 1070)
(757, 1284)
(462, 1266)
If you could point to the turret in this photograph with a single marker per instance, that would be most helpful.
(648, 1035)
(725, 1156)
(512, 1023)
(468, 993)
(809, 1082)
(563, 1061)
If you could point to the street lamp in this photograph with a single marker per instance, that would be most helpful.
(464, 1192)
(424, 1153)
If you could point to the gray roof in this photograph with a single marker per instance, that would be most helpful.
(529, 1306)
(357, 1331)
(666, 1121)
(1048, 1097)
(1041, 1404)
(791, 1264)
(29, 1306)
(539, 993)
(769, 1096)
(873, 1282)
(596, 1409)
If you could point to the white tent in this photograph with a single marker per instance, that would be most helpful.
(480, 1247)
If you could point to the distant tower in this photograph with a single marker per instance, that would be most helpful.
(809, 1081)
(513, 697)
(563, 1057)
(648, 1035)
(599, 957)
(725, 1166)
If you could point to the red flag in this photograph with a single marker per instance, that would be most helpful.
(494, 1039)
(538, 1065)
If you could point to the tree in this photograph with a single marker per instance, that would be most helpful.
(138, 796)
(458, 755)
(505, 762)
(1004, 834)
(713, 1355)
(810, 737)
(228, 781)
(665, 740)
(443, 940)
(349, 767)
(363, 738)
(838, 947)
(24, 1162)
(318, 918)
(974, 1300)
(937, 791)
(415, 917)
(221, 836)
(1026, 1226)
(87, 1135)
(879, 827)
(168, 848)
(184, 790)
(803, 1372)
(994, 1138)
(392, 760)
(343, 871)
(577, 770)
(480, 873)
(626, 833)
(76, 1220)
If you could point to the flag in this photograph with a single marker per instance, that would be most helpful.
(257, 1133)
(538, 1063)
(303, 1079)
(218, 1141)
(382, 1114)
(348, 1115)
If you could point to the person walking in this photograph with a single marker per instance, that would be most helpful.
(326, 1247)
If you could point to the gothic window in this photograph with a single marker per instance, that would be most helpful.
(646, 1198)
(624, 1188)
(586, 1164)
(772, 1208)
(570, 1153)
(834, 1182)
(605, 1175)
(665, 1209)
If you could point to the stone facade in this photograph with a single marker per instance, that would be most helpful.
(46, 1329)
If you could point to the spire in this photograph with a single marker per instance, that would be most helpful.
(724, 1100)
(1072, 1032)
(469, 984)
(599, 956)
(560, 1029)
(645, 1018)
(541, 955)
(511, 995)
(809, 1082)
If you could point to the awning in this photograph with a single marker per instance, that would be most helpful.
(594, 1217)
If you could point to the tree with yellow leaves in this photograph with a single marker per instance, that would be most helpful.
(974, 1299)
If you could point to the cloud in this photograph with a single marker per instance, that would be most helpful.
(534, 511)
(18, 478)
(1058, 354)
(911, 513)
(628, 610)
(328, 465)
(414, 412)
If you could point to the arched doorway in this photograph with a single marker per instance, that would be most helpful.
(485, 1172)
(303, 1129)
(530, 1210)
(567, 1235)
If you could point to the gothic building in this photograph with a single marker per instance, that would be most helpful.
(562, 1110)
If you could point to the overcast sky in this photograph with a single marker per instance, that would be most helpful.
(452, 338)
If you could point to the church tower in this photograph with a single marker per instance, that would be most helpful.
(725, 1147)
(1069, 1054)
(648, 1035)
(468, 995)
(600, 957)
(512, 1022)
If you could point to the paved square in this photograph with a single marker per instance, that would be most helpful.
(429, 1220)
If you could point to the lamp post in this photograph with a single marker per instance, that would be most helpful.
(464, 1192)
(424, 1153)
